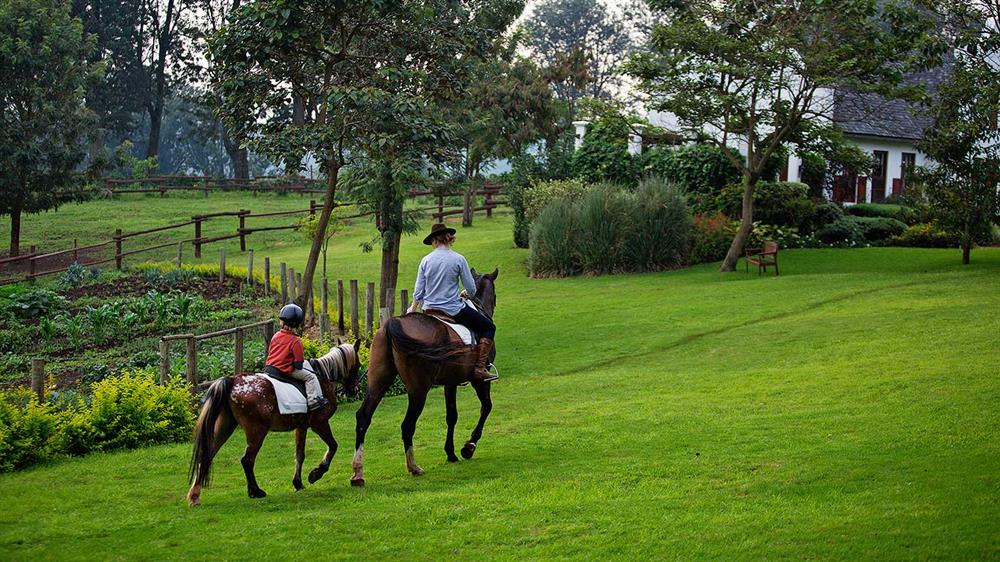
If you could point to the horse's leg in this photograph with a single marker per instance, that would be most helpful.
(486, 405)
(451, 416)
(417, 398)
(255, 438)
(300, 457)
(381, 373)
(322, 428)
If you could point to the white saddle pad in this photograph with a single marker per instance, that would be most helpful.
(462, 331)
(290, 400)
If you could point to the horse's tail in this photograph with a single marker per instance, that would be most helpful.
(216, 406)
(406, 345)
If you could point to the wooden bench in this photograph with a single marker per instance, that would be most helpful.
(763, 257)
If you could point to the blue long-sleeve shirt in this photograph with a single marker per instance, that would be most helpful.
(437, 281)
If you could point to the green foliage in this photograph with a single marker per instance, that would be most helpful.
(926, 235)
(703, 170)
(45, 63)
(540, 194)
(27, 430)
(35, 304)
(610, 230)
(853, 230)
(814, 173)
(553, 163)
(711, 237)
(779, 203)
(898, 212)
(603, 156)
(76, 275)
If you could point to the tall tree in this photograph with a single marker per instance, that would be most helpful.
(162, 27)
(963, 143)
(575, 35)
(346, 61)
(44, 71)
(762, 74)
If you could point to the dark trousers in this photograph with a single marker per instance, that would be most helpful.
(477, 322)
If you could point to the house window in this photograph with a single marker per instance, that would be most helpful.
(909, 163)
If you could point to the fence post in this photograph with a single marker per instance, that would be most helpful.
(191, 360)
(250, 268)
(238, 352)
(324, 316)
(340, 306)
(390, 300)
(243, 225)
(404, 302)
(267, 276)
(222, 264)
(118, 248)
(489, 204)
(383, 315)
(369, 309)
(268, 334)
(38, 379)
(76, 253)
(298, 289)
(312, 206)
(164, 361)
(197, 236)
(441, 207)
(282, 270)
(31, 268)
(354, 308)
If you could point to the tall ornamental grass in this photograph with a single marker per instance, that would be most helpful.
(610, 230)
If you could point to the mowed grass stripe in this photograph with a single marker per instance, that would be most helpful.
(843, 410)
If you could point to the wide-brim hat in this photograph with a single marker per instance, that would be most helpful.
(438, 228)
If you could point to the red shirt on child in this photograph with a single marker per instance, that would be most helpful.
(285, 349)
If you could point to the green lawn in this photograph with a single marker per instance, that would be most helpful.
(845, 410)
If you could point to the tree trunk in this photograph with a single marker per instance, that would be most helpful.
(746, 224)
(390, 264)
(155, 119)
(238, 156)
(15, 232)
(966, 248)
(467, 206)
(317, 244)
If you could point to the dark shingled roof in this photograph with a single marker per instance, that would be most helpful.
(872, 115)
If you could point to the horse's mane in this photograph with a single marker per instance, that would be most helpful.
(333, 365)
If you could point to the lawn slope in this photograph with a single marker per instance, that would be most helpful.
(844, 410)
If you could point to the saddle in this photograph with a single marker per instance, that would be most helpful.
(467, 336)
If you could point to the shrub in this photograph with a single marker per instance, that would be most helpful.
(926, 235)
(853, 230)
(702, 170)
(898, 212)
(553, 241)
(76, 275)
(603, 156)
(553, 163)
(775, 202)
(540, 194)
(133, 411)
(663, 226)
(612, 230)
(27, 430)
(814, 173)
(711, 237)
(826, 212)
(35, 304)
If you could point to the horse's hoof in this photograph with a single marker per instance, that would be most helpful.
(417, 471)
(468, 450)
(452, 457)
(315, 475)
(359, 482)
(298, 485)
(258, 493)
(194, 502)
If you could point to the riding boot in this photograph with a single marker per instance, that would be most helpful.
(480, 373)
(314, 392)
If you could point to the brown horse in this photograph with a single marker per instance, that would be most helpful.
(249, 401)
(424, 352)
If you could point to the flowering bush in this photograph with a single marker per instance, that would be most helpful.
(711, 237)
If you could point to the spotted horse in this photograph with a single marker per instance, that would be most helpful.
(249, 401)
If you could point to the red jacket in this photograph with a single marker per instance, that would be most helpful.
(285, 349)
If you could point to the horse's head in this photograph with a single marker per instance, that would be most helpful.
(486, 291)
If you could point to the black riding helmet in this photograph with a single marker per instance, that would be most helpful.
(292, 315)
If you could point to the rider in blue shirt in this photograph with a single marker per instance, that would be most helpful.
(437, 289)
